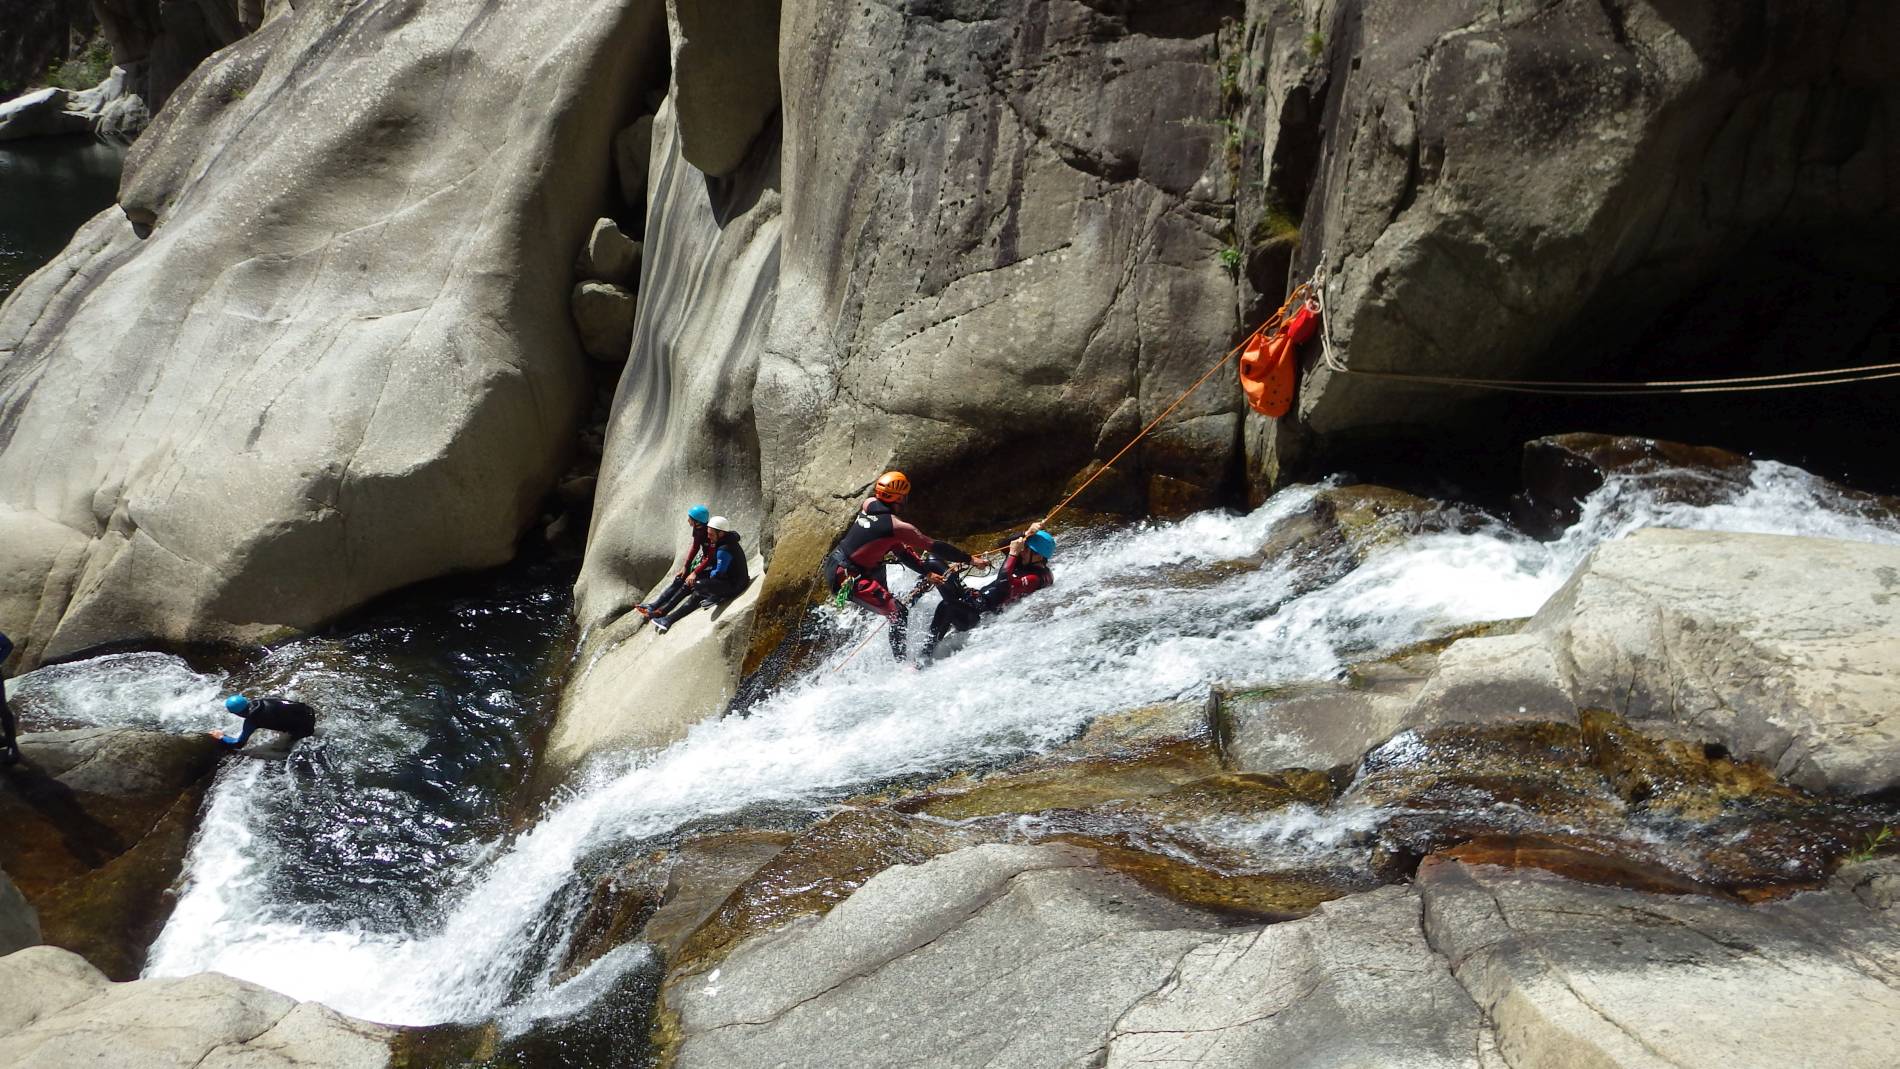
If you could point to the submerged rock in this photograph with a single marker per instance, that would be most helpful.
(98, 822)
(19, 922)
(1561, 470)
(60, 1011)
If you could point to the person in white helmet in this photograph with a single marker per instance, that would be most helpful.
(726, 579)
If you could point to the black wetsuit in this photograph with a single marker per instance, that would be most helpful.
(726, 579)
(295, 719)
(876, 534)
(962, 608)
(699, 557)
(9, 745)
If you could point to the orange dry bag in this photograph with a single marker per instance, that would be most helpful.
(1268, 364)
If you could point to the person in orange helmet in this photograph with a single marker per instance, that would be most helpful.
(877, 533)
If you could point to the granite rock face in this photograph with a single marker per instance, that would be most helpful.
(1526, 191)
(324, 349)
(61, 1012)
(994, 955)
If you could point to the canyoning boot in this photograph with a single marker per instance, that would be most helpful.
(645, 613)
(10, 755)
(662, 624)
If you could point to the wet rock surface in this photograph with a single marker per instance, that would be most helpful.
(1561, 470)
(60, 1012)
(19, 921)
(98, 824)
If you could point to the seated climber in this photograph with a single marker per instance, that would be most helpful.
(855, 567)
(726, 578)
(295, 719)
(1025, 570)
(9, 744)
(698, 558)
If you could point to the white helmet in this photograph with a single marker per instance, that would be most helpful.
(719, 523)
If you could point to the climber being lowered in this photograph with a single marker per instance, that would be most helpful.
(855, 567)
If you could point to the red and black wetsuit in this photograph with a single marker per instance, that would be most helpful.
(961, 608)
(875, 534)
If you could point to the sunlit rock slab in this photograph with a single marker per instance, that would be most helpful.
(61, 1012)
(996, 955)
(1577, 975)
(1785, 649)
(636, 688)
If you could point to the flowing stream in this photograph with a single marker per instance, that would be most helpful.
(373, 870)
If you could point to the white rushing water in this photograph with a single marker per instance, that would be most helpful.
(1134, 619)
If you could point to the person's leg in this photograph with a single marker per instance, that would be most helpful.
(685, 609)
(669, 597)
(874, 596)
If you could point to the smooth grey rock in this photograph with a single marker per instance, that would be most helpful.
(1322, 725)
(633, 156)
(610, 256)
(112, 109)
(65, 1014)
(41, 113)
(120, 762)
(1577, 975)
(603, 313)
(725, 78)
(1785, 649)
(1353, 985)
(992, 955)
(41, 982)
(1494, 679)
(341, 360)
(634, 688)
(679, 436)
(19, 921)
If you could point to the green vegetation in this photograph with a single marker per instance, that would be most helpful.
(1277, 226)
(84, 70)
(1230, 258)
(1315, 44)
(1875, 842)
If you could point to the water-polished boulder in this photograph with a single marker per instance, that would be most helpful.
(1783, 649)
(323, 348)
(61, 1012)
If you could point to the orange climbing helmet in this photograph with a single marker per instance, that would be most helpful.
(892, 487)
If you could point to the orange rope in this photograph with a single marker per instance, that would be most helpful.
(1299, 294)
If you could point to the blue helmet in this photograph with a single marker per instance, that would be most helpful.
(237, 703)
(699, 514)
(1042, 544)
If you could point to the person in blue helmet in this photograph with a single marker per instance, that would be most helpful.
(1025, 570)
(9, 745)
(295, 719)
(726, 579)
(700, 549)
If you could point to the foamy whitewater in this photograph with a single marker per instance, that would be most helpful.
(1125, 626)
